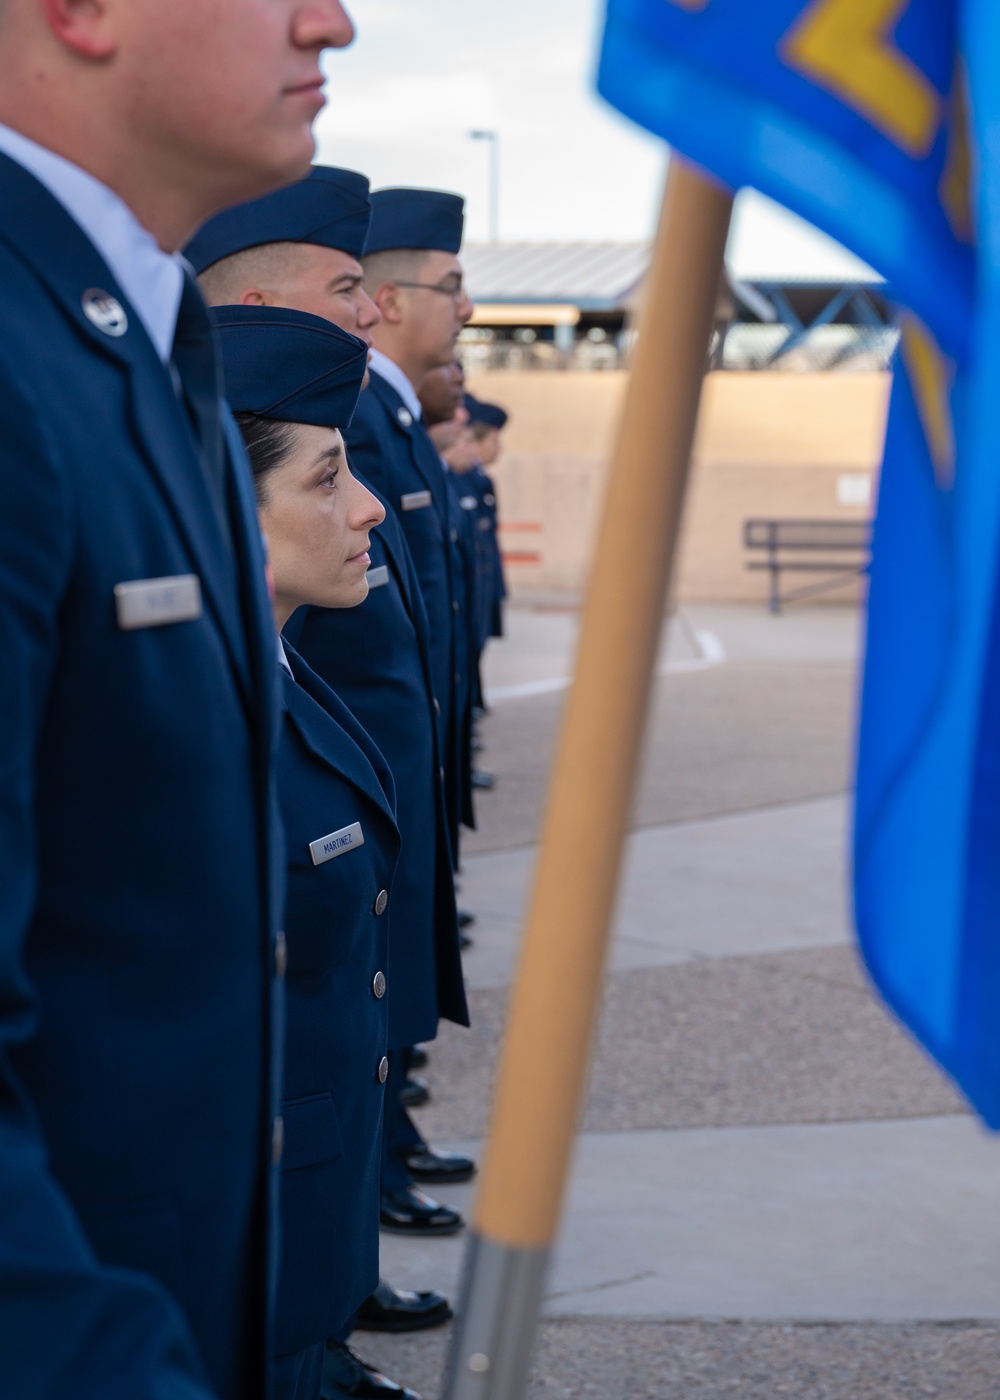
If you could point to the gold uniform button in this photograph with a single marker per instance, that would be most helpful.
(383, 1070)
(280, 955)
(277, 1139)
(378, 985)
(381, 900)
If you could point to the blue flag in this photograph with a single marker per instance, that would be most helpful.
(879, 121)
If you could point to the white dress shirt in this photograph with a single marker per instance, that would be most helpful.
(394, 376)
(151, 279)
(283, 659)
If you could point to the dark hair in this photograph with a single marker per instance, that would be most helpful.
(268, 442)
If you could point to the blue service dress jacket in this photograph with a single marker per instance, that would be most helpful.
(141, 867)
(375, 657)
(491, 589)
(337, 801)
(467, 646)
(393, 452)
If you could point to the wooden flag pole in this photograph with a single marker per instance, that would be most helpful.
(544, 1062)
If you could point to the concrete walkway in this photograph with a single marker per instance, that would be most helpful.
(762, 1145)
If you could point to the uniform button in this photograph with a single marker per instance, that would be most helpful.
(383, 1070)
(455, 607)
(277, 1139)
(437, 707)
(381, 900)
(454, 535)
(280, 955)
(378, 985)
(441, 774)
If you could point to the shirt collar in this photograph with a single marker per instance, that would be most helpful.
(395, 377)
(151, 279)
(283, 658)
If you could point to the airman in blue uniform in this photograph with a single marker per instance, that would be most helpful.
(140, 858)
(413, 274)
(292, 379)
(299, 248)
(486, 422)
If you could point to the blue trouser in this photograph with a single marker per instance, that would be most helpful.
(297, 1375)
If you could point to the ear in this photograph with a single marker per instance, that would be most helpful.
(251, 297)
(85, 26)
(389, 300)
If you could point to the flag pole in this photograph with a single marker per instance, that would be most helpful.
(554, 1002)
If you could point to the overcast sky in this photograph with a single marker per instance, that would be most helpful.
(423, 73)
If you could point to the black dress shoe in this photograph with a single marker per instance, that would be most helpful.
(465, 918)
(418, 1057)
(482, 780)
(429, 1165)
(346, 1374)
(414, 1093)
(409, 1212)
(391, 1309)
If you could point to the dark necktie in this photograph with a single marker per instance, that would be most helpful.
(195, 358)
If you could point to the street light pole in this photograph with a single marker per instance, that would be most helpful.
(494, 148)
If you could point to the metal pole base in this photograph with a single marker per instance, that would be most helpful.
(498, 1311)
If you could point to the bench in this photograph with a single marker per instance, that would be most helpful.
(844, 544)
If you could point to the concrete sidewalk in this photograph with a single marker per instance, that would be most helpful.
(764, 1151)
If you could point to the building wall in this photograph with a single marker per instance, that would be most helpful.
(768, 444)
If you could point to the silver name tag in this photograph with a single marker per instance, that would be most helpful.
(468, 502)
(377, 576)
(415, 500)
(328, 847)
(152, 602)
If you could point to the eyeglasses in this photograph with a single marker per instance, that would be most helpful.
(453, 290)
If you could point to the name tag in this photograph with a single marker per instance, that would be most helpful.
(415, 500)
(468, 502)
(153, 602)
(378, 576)
(348, 838)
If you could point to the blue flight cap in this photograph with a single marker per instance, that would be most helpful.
(489, 413)
(289, 365)
(422, 219)
(330, 207)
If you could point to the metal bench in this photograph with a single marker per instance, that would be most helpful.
(786, 541)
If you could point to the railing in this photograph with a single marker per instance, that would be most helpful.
(785, 541)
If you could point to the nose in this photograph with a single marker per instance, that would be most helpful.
(369, 315)
(465, 308)
(322, 24)
(369, 509)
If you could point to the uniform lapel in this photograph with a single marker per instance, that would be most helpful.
(39, 230)
(312, 705)
(427, 464)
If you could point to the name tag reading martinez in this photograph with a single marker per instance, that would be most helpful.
(153, 602)
(378, 576)
(415, 500)
(348, 838)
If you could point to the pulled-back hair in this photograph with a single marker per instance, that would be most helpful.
(268, 443)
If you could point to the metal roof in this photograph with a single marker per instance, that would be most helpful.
(592, 276)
